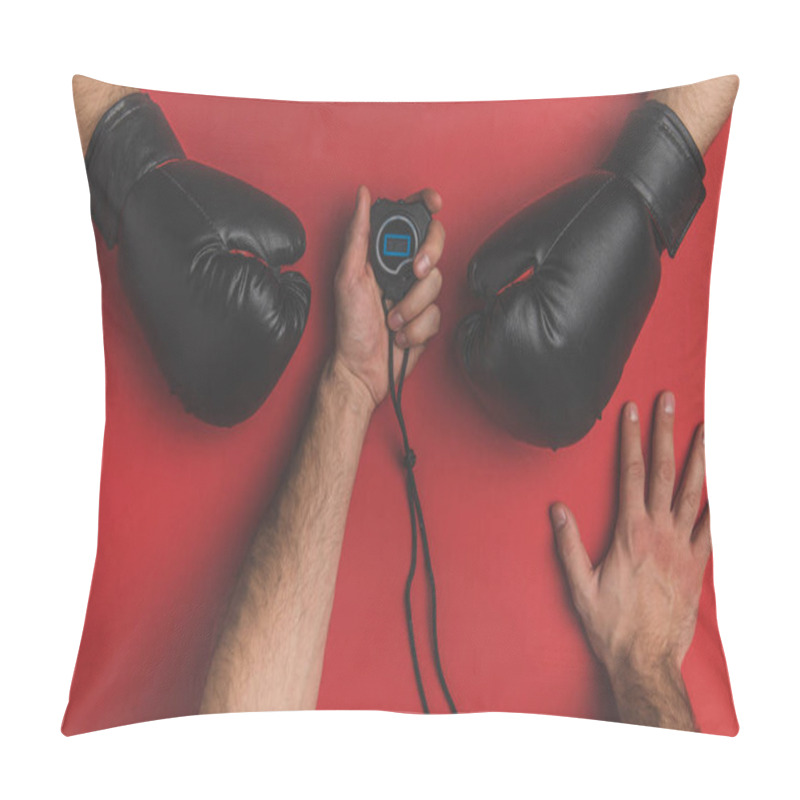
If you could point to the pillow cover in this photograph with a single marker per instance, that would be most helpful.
(190, 465)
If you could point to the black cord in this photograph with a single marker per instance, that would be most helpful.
(417, 526)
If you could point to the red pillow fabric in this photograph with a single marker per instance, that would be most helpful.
(179, 498)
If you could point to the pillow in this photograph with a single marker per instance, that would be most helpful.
(188, 468)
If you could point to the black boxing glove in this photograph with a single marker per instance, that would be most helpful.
(569, 281)
(200, 254)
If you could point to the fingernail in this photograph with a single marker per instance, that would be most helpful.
(702, 433)
(401, 341)
(396, 320)
(669, 403)
(633, 412)
(423, 265)
(559, 517)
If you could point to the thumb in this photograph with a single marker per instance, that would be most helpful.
(356, 245)
(573, 555)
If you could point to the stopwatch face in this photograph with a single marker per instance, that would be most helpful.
(397, 243)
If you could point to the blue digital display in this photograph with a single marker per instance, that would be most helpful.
(397, 245)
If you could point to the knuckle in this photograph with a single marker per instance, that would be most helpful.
(633, 524)
(639, 543)
(690, 499)
(665, 469)
(426, 326)
(634, 470)
(405, 309)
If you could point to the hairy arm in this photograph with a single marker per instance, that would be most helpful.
(270, 653)
(271, 650)
(92, 99)
(655, 697)
(703, 107)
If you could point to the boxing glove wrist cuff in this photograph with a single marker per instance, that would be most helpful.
(131, 138)
(656, 154)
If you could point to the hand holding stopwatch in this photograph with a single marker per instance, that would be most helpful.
(397, 231)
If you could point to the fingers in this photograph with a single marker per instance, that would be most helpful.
(354, 257)
(690, 492)
(662, 459)
(420, 329)
(414, 355)
(577, 565)
(415, 318)
(431, 249)
(422, 294)
(631, 462)
(701, 540)
(431, 198)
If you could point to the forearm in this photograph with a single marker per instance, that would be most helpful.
(655, 697)
(92, 100)
(271, 649)
(702, 107)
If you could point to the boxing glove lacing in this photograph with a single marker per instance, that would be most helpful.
(417, 524)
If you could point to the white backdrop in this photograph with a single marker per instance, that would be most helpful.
(52, 398)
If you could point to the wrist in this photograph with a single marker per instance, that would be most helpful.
(656, 154)
(652, 694)
(680, 100)
(92, 99)
(339, 381)
(644, 672)
(702, 107)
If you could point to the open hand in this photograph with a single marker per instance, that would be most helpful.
(639, 604)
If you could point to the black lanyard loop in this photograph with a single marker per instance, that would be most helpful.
(417, 529)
